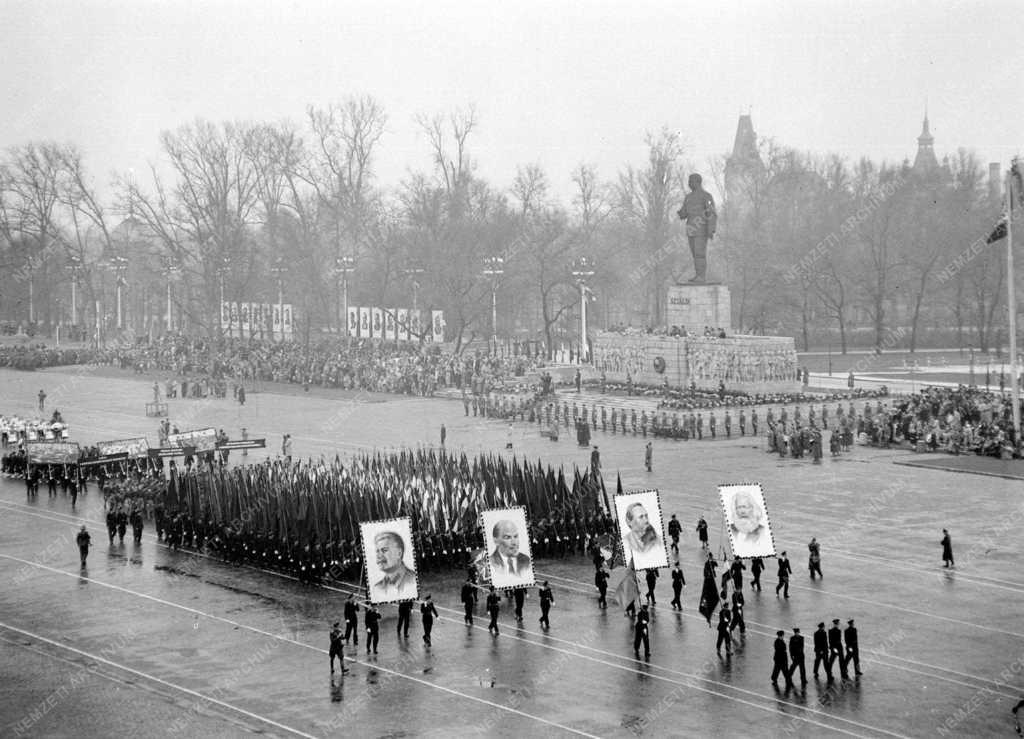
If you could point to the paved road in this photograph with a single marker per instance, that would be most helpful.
(156, 642)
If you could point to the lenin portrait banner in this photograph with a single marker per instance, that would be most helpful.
(364, 323)
(389, 324)
(390, 560)
(437, 325)
(507, 538)
(377, 329)
(746, 519)
(403, 324)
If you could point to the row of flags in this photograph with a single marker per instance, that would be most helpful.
(441, 492)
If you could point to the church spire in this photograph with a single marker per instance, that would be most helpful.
(925, 159)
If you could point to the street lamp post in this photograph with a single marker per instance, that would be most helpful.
(222, 271)
(119, 265)
(169, 270)
(75, 265)
(414, 272)
(279, 269)
(582, 269)
(494, 268)
(343, 265)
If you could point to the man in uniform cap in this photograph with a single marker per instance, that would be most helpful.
(781, 661)
(821, 651)
(336, 648)
(852, 650)
(640, 635)
(835, 648)
(796, 656)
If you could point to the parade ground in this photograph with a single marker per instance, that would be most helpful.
(146, 642)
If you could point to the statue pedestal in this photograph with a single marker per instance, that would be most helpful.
(696, 306)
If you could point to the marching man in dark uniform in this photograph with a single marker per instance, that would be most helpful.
(702, 532)
(674, 530)
(738, 601)
(546, 601)
(468, 597)
(429, 612)
(372, 620)
(404, 615)
(336, 648)
(756, 568)
(852, 650)
(83, 540)
(724, 620)
(640, 635)
(821, 651)
(678, 581)
(781, 661)
(601, 581)
(796, 656)
(352, 620)
(785, 570)
(835, 649)
(493, 608)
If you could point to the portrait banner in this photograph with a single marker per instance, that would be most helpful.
(390, 560)
(389, 324)
(287, 317)
(132, 447)
(746, 520)
(642, 527)
(203, 440)
(277, 319)
(244, 317)
(233, 326)
(403, 324)
(225, 314)
(377, 329)
(416, 325)
(364, 323)
(507, 538)
(437, 325)
(353, 321)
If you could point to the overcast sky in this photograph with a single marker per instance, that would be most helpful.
(555, 83)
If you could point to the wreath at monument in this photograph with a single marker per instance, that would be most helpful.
(659, 365)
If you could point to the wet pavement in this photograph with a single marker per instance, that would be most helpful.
(153, 642)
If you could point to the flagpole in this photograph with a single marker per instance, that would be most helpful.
(1011, 303)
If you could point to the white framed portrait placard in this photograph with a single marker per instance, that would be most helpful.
(641, 525)
(390, 560)
(746, 520)
(507, 538)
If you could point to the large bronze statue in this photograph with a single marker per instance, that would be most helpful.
(701, 220)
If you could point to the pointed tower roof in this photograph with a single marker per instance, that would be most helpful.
(744, 148)
(925, 159)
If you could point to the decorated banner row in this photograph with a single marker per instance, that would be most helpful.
(396, 324)
(183, 444)
(249, 319)
(507, 559)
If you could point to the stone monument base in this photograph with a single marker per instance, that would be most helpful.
(694, 306)
(751, 364)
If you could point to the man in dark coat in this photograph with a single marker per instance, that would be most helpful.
(785, 570)
(546, 601)
(947, 549)
(372, 619)
(428, 611)
(468, 597)
(404, 615)
(352, 620)
(780, 661)
(724, 620)
(601, 581)
(756, 568)
(83, 539)
(852, 650)
(640, 635)
(796, 656)
(821, 651)
(493, 608)
(335, 650)
(678, 581)
(835, 648)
